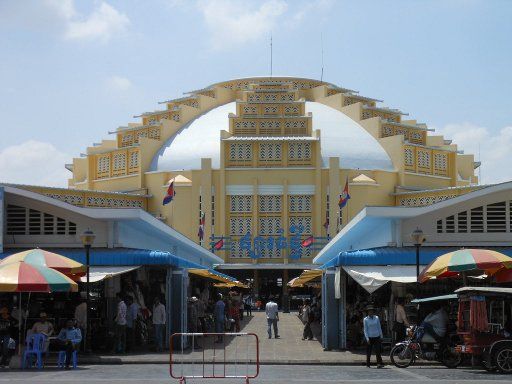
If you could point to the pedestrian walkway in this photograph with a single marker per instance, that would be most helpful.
(288, 349)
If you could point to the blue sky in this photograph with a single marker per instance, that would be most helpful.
(70, 71)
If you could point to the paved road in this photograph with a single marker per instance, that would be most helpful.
(154, 374)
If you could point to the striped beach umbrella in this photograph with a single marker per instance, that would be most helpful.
(466, 260)
(40, 257)
(24, 277)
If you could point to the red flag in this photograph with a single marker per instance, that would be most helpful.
(219, 244)
(344, 196)
(200, 233)
(308, 242)
(170, 194)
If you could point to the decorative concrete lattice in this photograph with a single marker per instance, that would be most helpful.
(240, 203)
(305, 221)
(239, 226)
(300, 203)
(270, 151)
(270, 203)
(240, 151)
(269, 225)
(409, 156)
(299, 151)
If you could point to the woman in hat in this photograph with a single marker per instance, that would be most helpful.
(373, 336)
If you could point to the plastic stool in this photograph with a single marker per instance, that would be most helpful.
(61, 360)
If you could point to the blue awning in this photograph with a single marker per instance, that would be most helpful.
(119, 256)
(394, 256)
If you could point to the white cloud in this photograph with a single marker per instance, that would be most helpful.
(35, 163)
(118, 83)
(494, 148)
(103, 23)
(232, 23)
(61, 17)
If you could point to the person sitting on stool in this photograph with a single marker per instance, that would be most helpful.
(69, 340)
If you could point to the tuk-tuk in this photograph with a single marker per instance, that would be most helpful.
(484, 326)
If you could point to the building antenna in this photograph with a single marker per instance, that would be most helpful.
(322, 46)
(270, 54)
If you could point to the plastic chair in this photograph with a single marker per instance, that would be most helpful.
(34, 346)
(61, 360)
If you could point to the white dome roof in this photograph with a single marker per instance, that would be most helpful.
(340, 137)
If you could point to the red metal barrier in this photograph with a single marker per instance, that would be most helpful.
(219, 366)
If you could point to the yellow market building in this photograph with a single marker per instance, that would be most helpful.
(266, 159)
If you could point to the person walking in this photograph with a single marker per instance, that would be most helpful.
(272, 312)
(131, 317)
(193, 320)
(307, 319)
(248, 305)
(201, 314)
(234, 315)
(401, 321)
(120, 346)
(373, 336)
(219, 314)
(159, 321)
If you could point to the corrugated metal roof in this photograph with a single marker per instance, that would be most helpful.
(394, 256)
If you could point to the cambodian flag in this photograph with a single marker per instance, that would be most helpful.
(308, 242)
(200, 233)
(170, 194)
(344, 196)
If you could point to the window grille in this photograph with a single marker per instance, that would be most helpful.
(236, 251)
(134, 159)
(300, 203)
(119, 161)
(270, 203)
(477, 220)
(497, 217)
(440, 161)
(408, 155)
(239, 226)
(462, 222)
(387, 131)
(240, 203)
(240, 152)
(299, 151)
(439, 226)
(450, 224)
(304, 221)
(423, 159)
(26, 221)
(269, 225)
(270, 151)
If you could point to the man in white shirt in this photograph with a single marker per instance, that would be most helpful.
(159, 320)
(272, 313)
(120, 346)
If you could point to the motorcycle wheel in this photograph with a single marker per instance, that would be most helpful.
(401, 356)
(451, 358)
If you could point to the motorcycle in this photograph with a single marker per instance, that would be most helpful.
(419, 345)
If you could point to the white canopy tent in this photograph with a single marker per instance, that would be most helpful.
(372, 277)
